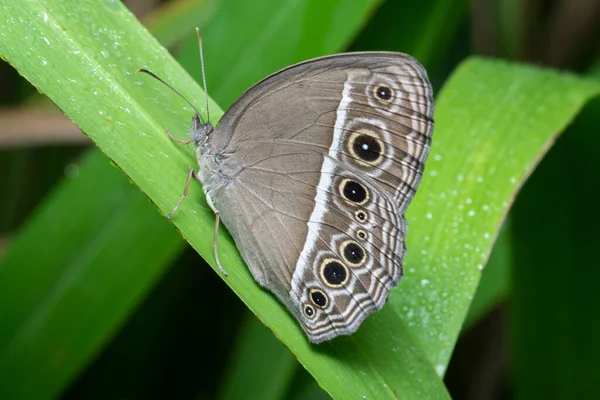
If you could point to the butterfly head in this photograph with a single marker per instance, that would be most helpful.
(200, 130)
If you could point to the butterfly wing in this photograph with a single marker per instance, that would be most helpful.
(312, 170)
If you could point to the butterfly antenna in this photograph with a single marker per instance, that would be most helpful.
(203, 74)
(152, 74)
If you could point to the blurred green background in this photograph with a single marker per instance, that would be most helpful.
(533, 330)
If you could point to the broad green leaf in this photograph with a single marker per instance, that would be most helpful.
(494, 285)
(494, 121)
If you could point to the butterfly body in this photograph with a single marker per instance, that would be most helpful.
(311, 171)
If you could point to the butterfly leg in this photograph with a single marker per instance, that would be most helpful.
(217, 220)
(215, 234)
(173, 138)
(191, 174)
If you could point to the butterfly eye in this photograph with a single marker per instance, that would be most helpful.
(383, 93)
(319, 298)
(309, 311)
(334, 273)
(353, 253)
(354, 192)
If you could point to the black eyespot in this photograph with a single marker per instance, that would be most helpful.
(361, 234)
(354, 192)
(361, 216)
(367, 148)
(319, 298)
(334, 273)
(353, 253)
(383, 93)
(309, 311)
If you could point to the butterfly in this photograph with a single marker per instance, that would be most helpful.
(311, 171)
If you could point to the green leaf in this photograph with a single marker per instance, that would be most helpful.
(494, 121)
(494, 285)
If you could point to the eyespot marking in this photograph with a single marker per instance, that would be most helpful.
(360, 216)
(383, 93)
(365, 147)
(319, 298)
(333, 273)
(353, 253)
(354, 191)
(309, 311)
(361, 234)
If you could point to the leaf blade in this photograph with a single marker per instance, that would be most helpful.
(489, 114)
